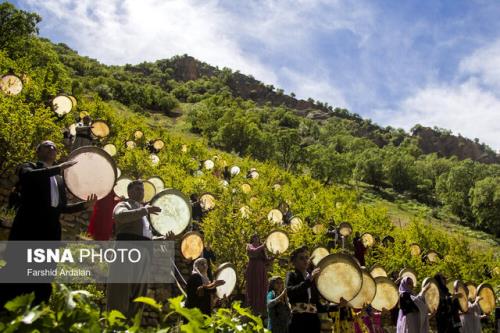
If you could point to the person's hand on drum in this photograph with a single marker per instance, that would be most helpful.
(343, 302)
(170, 235)
(91, 200)
(67, 164)
(218, 283)
(153, 209)
(314, 274)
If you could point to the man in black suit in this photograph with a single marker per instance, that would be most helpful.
(42, 200)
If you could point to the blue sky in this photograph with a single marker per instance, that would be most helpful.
(399, 63)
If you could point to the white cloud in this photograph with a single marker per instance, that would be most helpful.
(485, 64)
(316, 86)
(117, 32)
(254, 37)
(465, 108)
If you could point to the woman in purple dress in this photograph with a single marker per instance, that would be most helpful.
(256, 276)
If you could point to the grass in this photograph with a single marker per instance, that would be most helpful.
(402, 210)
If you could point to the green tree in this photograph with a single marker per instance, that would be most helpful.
(485, 203)
(369, 167)
(327, 165)
(453, 188)
(15, 24)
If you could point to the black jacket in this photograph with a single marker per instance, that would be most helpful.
(36, 219)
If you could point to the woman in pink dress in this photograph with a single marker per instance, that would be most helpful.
(256, 276)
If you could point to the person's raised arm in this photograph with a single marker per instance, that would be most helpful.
(122, 213)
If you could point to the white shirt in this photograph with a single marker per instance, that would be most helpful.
(146, 230)
(54, 190)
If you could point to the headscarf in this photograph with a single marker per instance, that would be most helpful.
(404, 286)
(443, 289)
(196, 269)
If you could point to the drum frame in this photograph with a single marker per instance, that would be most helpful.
(409, 270)
(147, 181)
(157, 177)
(426, 281)
(283, 232)
(481, 287)
(52, 106)
(457, 284)
(155, 141)
(186, 200)
(342, 257)
(213, 196)
(186, 235)
(316, 248)
(121, 177)
(90, 149)
(386, 279)
(364, 271)
(220, 269)
(373, 239)
(16, 78)
(100, 121)
(343, 225)
(377, 266)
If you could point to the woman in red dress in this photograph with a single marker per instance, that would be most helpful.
(256, 276)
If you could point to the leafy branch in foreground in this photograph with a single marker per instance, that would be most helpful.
(75, 311)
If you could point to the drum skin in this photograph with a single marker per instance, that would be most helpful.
(415, 249)
(246, 188)
(432, 256)
(277, 242)
(175, 214)
(318, 229)
(367, 292)
(149, 191)
(120, 187)
(207, 202)
(130, 144)
(431, 295)
(138, 134)
(386, 296)
(191, 245)
(460, 288)
(296, 224)
(208, 164)
(158, 144)
(110, 149)
(235, 170)
(367, 239)
(487, 303)
(62, 105)
(472, 291)
(225, 272)
(154, 159)
(100, 128)
(340, 277)
(377, 270)
(275, 216)
(409, 272)
(318, 254)
(94, 173)
(158, 183)
(245, 212)
(345, 229)
(11, 84)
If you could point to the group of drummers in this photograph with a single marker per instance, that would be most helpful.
(312, 292)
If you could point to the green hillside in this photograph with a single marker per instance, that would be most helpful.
(326, 171)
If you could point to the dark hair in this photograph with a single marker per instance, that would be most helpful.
(252, 237)
(273, 281)
(295, 253)
(133, 184)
